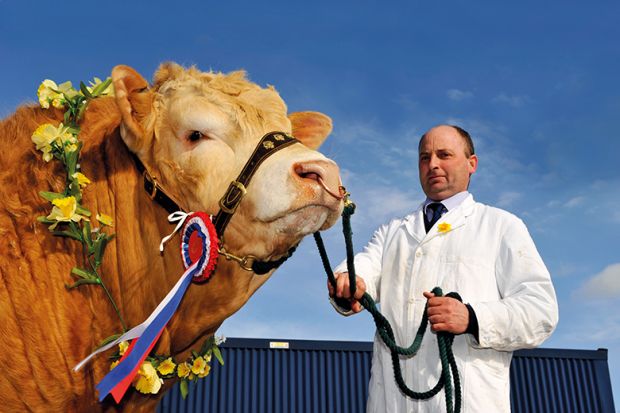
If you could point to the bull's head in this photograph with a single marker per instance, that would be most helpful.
(195, 131)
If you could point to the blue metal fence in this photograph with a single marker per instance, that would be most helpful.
(273, 376)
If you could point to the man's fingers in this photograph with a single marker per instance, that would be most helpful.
(361, 288)
(356, 306)
(428, 294)
(342, 284)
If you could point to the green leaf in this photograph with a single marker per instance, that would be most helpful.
(84, 274)
(71, 159)
(218, 355)
(183, 386)
(81, 282)
(43, 219)
(82, 211)
(75, 131)
(99, 247)
(206, 345)
(101, 87)
(68, 234)
(109, 339)
(86, 235)
(85, 90)
(50, 196)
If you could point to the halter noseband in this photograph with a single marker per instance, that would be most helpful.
(267, 146)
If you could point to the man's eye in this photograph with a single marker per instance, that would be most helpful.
(195, 136)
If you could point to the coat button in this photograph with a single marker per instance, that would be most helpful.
(418, 253)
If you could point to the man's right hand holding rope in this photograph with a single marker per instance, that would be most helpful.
(444, 313)
(343, 290)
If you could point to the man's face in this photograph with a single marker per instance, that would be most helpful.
(443, 165)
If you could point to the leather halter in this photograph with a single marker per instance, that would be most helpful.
(267, 146)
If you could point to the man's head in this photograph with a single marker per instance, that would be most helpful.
(446, 161)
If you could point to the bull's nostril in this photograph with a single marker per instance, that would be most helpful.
(311, 175)
(306, 173)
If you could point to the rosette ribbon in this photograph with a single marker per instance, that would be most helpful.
(199, 245)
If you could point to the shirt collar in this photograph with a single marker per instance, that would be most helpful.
(450, 203)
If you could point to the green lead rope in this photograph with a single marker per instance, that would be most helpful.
(444, 340)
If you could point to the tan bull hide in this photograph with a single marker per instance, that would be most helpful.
(46, 329)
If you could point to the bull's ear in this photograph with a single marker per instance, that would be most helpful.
(135, 103)
(310, 128)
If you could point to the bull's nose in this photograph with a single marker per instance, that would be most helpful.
(325, 172)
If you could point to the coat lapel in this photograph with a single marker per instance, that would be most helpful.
(414, 223)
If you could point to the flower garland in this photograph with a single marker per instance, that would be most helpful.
(156, 368)
(69, 218)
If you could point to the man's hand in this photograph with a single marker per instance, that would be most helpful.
(343, 291)
(447, 314)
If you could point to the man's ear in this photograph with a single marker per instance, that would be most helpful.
(473, 164)
(135, 103)
(310, 128)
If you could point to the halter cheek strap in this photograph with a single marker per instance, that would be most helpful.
(267, 146)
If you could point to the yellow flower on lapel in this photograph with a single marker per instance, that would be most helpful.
(444, 227)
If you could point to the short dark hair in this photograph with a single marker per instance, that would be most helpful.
(469, 143)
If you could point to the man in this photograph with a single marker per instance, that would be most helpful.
(483, 253)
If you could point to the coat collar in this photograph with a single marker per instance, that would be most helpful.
(414, 223)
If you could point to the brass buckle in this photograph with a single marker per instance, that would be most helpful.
(153, 182)
(244, 262)
(237, 201)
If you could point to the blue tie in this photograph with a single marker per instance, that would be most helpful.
(438, 209)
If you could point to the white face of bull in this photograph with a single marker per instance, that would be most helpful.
(195, 131)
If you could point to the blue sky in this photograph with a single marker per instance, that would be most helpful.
(535, 84)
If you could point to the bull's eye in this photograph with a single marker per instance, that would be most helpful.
(194, 136)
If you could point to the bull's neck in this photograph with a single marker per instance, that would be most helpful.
(144, 276)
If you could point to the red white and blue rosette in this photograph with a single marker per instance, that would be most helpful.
(199, 245)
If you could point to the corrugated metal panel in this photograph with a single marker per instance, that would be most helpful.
(551, 380)
(332, 376)
(309, 376)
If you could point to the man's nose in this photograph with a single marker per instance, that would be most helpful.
(433, 162)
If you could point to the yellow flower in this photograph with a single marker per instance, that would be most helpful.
(72, 147)
(64, 211)
(199, 365)
(57, 95)
(46, 134)
(166, 367)
(122, 347)
(444, 227)
(82, 179)
(105, 220)
(147, 381)
(205, 372)
(96, 82)
(67, 90)
(114, 364)
(183, 370)
(48, 92)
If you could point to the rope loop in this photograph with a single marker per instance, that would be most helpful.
(449, 378)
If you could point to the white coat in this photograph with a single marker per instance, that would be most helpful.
(489, 258)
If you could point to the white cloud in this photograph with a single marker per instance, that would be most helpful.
(508, 198)
(573, 202)
(605, 284)
(515, 101)
(458, 95)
